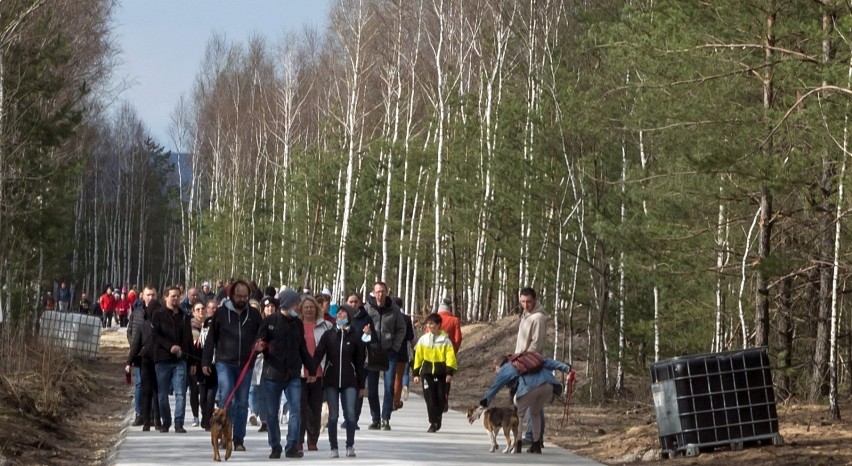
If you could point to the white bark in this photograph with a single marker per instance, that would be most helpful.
(743, 324)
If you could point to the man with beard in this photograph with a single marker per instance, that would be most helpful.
(389, 327)
(231, 336)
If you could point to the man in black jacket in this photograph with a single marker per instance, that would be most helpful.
(147, 404)
(232, 334)
(282, 340)
(172, 339)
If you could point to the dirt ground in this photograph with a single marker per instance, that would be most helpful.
(623, 431)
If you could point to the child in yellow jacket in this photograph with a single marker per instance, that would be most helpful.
(434, 363)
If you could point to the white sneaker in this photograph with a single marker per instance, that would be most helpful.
(350, 452)
(404, 393)
(195, 422)
(334, 454)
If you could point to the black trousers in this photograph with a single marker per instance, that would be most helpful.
(149, 393)
(435, 395)
(312, 398)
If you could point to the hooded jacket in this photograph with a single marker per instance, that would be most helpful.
(388, 323)
(532, 331)
(231, 335)
(286, 349)
(345, 355)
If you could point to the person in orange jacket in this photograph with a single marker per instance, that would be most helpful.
(450, 324)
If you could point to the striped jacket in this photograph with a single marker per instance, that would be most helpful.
(434, 355)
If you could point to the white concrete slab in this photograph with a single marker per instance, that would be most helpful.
(407, 443)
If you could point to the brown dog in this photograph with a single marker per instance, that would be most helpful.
(494, 419)
(221, 431)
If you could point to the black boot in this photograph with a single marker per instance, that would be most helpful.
(138, 421)
(519, 446)
(535, 447)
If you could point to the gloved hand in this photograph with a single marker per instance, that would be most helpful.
(483, 402)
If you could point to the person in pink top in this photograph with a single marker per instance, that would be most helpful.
(312, 394)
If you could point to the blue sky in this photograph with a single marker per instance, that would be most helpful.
(162, 42)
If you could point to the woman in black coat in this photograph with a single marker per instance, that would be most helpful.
(344, 376)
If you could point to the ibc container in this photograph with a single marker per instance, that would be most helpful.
(710, 400)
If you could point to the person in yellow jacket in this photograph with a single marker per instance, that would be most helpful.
(434, 364)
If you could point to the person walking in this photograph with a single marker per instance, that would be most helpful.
(435, 364)
(142, 358)
(344, 376)
(389, 326)
(207, 384)
(281, 339)
(232, 333)
(314, 325)
(64, 297)
(534, 389)
(172, 337)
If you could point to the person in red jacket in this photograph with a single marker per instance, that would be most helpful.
(122, 310)
(450, 324)
(107, 303)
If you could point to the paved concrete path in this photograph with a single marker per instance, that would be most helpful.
(407, 443)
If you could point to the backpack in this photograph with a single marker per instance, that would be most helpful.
(527, 362)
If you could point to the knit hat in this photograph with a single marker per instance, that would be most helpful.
(207, 284)
(326, 292)
(288, 298)
(269, 300)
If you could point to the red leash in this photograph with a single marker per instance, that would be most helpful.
(570, 378)
(240, 378)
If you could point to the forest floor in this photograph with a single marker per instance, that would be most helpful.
(622, 431)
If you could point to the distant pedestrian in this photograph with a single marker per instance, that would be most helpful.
(64, 296)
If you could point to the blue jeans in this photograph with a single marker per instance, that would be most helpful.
(334, 396)
(227, 376)
(171, 374)
(137, 390)
(373, 389)
(292, 389)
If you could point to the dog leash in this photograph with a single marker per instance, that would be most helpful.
(570, 378)
(240, 379)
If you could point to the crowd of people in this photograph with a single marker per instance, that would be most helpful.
(255, 352)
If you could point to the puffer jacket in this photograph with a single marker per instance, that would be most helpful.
(345, 355)
(434, 355)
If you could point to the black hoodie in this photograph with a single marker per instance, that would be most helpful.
(231, 336)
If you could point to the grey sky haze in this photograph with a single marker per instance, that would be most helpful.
(162, 43)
